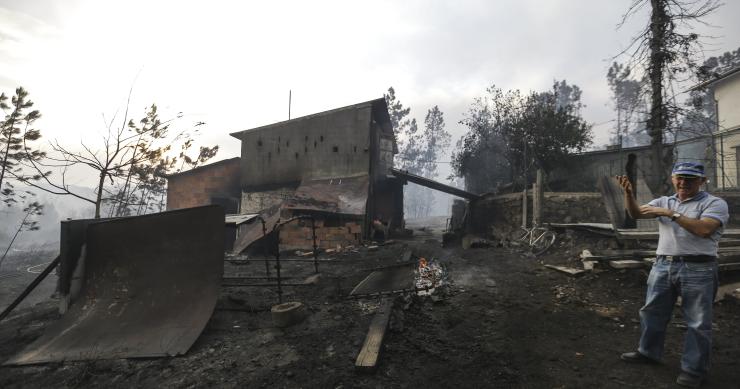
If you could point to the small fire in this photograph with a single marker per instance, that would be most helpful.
(422, 263)
(429, 276)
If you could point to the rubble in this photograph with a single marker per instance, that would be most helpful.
(497, 320)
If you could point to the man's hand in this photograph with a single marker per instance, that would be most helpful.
(655, 211)
(625, 183)
(629, 199)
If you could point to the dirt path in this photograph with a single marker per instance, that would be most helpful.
(513, 323)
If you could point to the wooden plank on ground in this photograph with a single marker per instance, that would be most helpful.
(369, 356)
(571, 271)
(627, 264)
(727, 290)
(729, 266)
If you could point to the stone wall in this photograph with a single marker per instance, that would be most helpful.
(256, 202)
(502, 214)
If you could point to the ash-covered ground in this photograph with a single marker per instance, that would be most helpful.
(503, 321)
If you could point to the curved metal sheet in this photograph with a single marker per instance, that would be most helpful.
(151, 284)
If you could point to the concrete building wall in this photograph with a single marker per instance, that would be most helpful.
(217, 183)
(582, 171)
(727, 145)
(727, 139)
(331, 144)
(727, 94)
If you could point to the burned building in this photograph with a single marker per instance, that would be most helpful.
(333, 166)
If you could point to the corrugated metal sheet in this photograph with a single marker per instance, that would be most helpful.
(240, 219)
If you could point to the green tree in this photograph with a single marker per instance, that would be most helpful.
(16, 144)
(549, 128)
(479, 155)
(538, 130)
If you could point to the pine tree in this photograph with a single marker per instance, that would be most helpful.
(17, 137)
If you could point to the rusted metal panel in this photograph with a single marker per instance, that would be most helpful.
(72, 238)
(611, 192)
(257, 229)
(151, 284)
(344, 195)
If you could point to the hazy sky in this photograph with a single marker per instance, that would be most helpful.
(231, 63)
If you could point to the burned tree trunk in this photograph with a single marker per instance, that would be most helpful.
(659, 21)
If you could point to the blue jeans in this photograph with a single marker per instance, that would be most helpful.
(696, 283)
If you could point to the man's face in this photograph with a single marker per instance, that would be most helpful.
(687, 186)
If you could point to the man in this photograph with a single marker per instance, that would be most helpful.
(690, 224)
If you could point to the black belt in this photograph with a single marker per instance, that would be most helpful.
(688, 258)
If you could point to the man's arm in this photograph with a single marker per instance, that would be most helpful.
(703, 227)
(630, 204)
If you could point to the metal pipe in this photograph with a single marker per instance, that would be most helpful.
(277, 267)
(402, 264)
(383, 293)
(268, 285)
(722, 155)
(253, 278)
(264, 233)
(276, 229)
(315, 249)
(310, 260)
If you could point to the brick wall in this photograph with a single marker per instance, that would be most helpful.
(201, 185)
(298, 235)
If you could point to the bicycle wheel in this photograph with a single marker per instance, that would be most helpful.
(543, 242)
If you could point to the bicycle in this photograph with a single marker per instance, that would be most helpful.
(539, 239)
